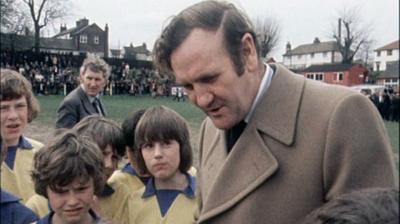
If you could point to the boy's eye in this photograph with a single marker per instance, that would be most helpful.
(166, 143)
(148, 146)
(82, 188)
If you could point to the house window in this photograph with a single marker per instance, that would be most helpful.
(319, 76)
(299, 57)
(96, 40)
(324, 54)
(378, 53)
(378, 64)
(389, 52)
(339, 76)
(83, 39)
(312, 55)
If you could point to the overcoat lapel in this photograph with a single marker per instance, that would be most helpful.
(232, 183)
(87, 106)
(230, 178)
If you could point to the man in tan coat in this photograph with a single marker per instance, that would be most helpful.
(274, 145)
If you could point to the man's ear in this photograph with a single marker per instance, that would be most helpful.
(249, 52)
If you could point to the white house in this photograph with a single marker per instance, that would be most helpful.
(385, 54)
(311, 54)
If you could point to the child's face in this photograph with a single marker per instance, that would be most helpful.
(14, 117)
(110, 160)
(162, 159)
(72, 203)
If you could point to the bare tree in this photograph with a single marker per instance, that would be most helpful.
(8, 8)
(365, 53)
(268, 34)
(44, 12)
(350, 34)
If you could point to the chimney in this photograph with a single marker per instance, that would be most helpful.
(63, 28)
(316, 41)
(82, 22)
(106, 47)
(340, 28)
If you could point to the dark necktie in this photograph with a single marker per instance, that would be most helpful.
(97, 107)
(234, 133)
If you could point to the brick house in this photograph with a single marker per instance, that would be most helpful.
(341, 74)
(77, 40)
(86, 37)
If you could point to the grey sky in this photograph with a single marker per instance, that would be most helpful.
(138, 21)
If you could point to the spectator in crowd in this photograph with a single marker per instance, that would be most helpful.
(85, 99)
(69, 172)
(368, 206)
(163, 150)
(275, 145)
(130, 174)
(18, 108)
(11, 210)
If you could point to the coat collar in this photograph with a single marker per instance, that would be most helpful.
(277, 112)
(250, 158)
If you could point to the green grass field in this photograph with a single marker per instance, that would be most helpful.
(120, 106)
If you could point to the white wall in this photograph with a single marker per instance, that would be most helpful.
(305, 60)
(384, 58)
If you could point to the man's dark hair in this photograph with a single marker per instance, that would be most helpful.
(208, 15)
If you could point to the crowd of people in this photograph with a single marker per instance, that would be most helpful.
(387, 101)
(57, 74)
(315, 154)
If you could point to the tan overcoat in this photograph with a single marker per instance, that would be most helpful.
(306, 143)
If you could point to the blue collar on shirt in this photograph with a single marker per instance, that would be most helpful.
(129, 169)
(151, 190)
(107, 191)
(23, 143)
(7, 197)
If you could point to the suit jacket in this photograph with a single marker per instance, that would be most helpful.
(305, 143)
(75, 106)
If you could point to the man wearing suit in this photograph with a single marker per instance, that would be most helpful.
(274, 145)
(85, 99)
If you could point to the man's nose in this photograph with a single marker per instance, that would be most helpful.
(203, 99)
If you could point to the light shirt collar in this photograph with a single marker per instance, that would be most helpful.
(264, 85)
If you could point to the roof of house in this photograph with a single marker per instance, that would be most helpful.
(137, 50)
(392, 70)
(22, 43)
(314, 48)
(336, 67)
(393, 45)
(59, 44)
(76, 30)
